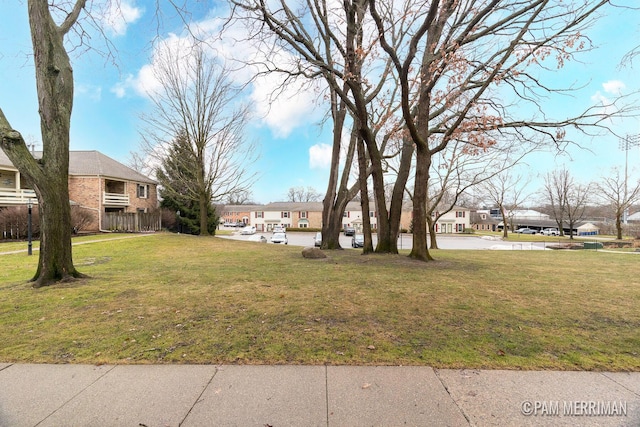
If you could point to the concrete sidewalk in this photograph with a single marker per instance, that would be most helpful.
(232, 395)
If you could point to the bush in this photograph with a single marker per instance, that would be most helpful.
(81, 218)
(469, 231)
(14, 222)
(307, 230)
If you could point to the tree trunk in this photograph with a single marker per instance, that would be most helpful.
(619, 225)
(505, 225)
(397, 197)
(337, 196)
(423, 163)
(364, 198)
(431, 229)
(204, 215)
(50, 175)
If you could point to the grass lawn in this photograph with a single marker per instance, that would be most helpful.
(184, 299)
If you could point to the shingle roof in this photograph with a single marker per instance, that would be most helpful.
(92, 163)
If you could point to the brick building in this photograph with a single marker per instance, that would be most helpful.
(98, 184)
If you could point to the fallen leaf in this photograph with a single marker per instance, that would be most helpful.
(366, 385)
(501, 353)
(371, 347)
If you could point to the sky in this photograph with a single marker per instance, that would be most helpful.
(293, 148)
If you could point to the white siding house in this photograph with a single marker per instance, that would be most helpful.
(454, 221)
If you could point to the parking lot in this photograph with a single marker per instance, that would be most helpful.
(405, 241)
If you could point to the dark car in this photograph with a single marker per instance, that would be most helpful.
(526, 231)
(357, 241)
(349, 231)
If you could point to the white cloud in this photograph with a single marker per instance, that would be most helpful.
(320, 156)
(285, 111)
(613, 87)
(90, 91)
(146, 82)
(119, 15)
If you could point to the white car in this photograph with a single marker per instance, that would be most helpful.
(249, 229)
(279, 229)
(550, 232)
(279, 238)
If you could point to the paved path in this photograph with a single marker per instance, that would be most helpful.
(232, 395)
(84, 242)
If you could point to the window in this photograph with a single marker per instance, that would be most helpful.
(303, 225)
(303, 214)
(459, 214)
(285, 214)
(259, 214)
(143, 191)
(460, 228)
(372, 214)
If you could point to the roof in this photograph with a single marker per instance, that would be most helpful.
(288, 207)
(92, 163)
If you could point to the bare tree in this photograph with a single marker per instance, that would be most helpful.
(49, 176)
(566, 198)
(300, 194)
(456, 65)
(556, 190)
(506, 191)
(197, 102)
(614, 191)
(333, 42)
(578, 197)
(458, 168)
(240, 197)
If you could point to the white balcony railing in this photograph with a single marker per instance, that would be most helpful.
(13, 197)
(115, 199)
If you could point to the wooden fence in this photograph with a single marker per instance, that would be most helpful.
(131, 221)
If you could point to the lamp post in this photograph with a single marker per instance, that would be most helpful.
(29, 244)
(178, 213)
(625, 145)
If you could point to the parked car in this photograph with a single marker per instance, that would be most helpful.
(258, 238)
(357, 241)
(279, 229)
(279, 238)
(526, 230)
(317, 241)
(249, 229)
(349, 231)
(550, 232)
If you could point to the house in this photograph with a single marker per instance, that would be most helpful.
(287, 214)
(234, 214)
(482, 220)
(98, 184)
(352, 216)
(454, 221)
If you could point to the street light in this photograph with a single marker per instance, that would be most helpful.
(625, 145)
(29, 244)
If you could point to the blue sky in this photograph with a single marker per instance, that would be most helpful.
(293, 149)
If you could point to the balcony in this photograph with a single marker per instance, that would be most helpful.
(13, 197)
(115, 199)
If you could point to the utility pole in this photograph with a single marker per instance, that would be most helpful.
(626, 144)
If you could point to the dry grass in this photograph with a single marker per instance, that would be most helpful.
(184, 299)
